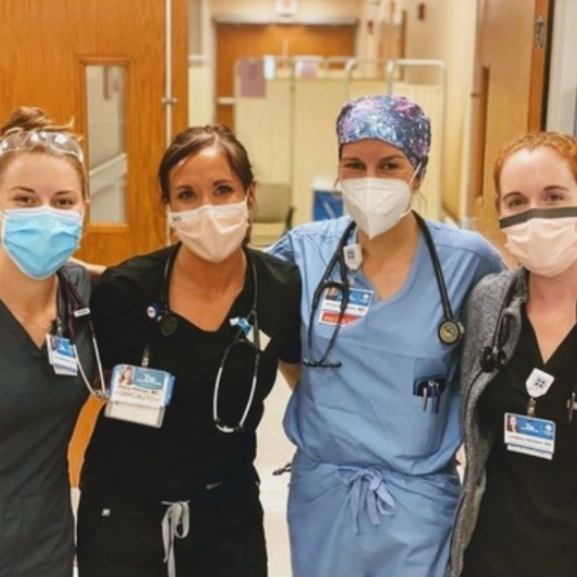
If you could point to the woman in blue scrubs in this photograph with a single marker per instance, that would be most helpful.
(375, 414)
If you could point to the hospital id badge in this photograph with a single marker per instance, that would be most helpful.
(139, 395)
(357, 305)
(530, 436)
(61, 355)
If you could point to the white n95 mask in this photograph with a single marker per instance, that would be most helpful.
(543, 240)
(212, 232)
(376, 204)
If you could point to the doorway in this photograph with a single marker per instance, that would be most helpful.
(235, 41)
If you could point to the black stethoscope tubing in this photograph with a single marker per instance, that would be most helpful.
(325, 283)
(493, 356)
(169, 323)
(76, 308)
(450, 331)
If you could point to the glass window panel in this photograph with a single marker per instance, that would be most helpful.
(107, 158)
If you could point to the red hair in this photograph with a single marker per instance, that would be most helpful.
(564, 144)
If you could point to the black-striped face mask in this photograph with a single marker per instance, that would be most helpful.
(543, 240)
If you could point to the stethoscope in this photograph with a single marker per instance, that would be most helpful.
(247, 325)
(450, 331)
(493, 356)
(76, 308)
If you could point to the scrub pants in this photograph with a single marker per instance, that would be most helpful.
(119, 537)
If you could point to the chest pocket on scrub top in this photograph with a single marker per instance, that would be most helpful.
(428, 397)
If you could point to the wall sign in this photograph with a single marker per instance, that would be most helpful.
(286, 7)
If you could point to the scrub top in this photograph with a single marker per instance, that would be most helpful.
(187, 453)
(38, 411)
(527, 522)
(374, 486)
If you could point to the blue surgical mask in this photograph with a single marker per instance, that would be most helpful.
(40, 240)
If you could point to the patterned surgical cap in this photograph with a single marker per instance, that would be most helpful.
(393, 119)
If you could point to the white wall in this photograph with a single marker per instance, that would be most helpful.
(562, 104)
(306, 8)
(447, 32)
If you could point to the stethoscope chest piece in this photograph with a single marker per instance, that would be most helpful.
(493, 359)
(451, 332)
(168, 324)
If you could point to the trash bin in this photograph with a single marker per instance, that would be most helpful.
(327, 202)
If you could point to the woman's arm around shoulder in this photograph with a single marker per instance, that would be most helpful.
(94, 270)
(291, 373)
(283, 248)
(290, 352)
(488, 257)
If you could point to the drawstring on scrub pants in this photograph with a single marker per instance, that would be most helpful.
(378, 498)
(175, 524)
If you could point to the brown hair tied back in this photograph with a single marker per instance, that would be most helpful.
(197, 138)
(30, 118)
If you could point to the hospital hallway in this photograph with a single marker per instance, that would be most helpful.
(277, 74)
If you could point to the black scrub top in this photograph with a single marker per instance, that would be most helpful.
(527, 524)
(187, 452)
(38, 411)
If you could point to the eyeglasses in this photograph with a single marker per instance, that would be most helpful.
(30, 139)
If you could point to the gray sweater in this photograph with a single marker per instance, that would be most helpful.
(482, 313)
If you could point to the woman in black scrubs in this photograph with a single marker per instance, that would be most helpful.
(518, 513)
(168, 485)
(43, 380)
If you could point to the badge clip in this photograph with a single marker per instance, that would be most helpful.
(241, 322)
(353, 256)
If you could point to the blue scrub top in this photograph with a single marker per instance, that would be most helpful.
(367, 416)
(384, 356)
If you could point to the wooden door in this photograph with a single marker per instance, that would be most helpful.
(512, 56)
(46, 47)
(234, 41)
(50, 50)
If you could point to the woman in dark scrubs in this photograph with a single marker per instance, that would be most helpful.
(518, 513)
(168, 485)
(42, 379)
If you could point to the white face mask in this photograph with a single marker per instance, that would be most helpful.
(376, 204)
(544, 241)
(212, 232)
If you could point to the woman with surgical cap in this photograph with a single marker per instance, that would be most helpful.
(375, 415)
